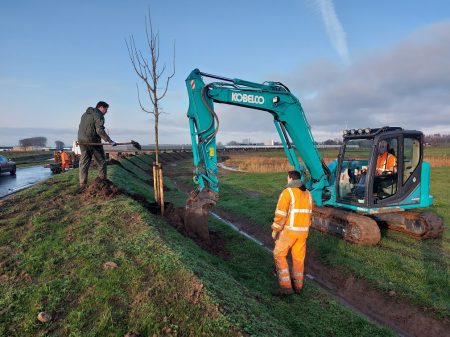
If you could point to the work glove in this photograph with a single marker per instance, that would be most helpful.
(113, 143)
(274, 235)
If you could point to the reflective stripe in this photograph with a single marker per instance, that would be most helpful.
(277, 225)
(301, 210)
(281, 271)
(284, 278)
(298, 281)
(297, 273)
(291, 218)
(298, 229)
(282, 213)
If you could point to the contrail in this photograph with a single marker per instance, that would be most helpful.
(334, 28)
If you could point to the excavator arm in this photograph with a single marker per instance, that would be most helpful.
(290, 123)
(272, 97)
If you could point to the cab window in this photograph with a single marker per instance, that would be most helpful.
(385, 181)
(411, 156)
(353, 172)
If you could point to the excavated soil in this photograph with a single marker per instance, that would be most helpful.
(100, 188)
(216, 243)
(175, 217)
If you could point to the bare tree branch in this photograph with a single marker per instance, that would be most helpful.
(149, 71)
(139, 99)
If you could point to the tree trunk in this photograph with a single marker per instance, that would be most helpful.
(156, 139)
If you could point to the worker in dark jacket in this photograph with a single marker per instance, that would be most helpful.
(92, 130)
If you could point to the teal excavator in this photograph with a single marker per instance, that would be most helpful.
(352, 195)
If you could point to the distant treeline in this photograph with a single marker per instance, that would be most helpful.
(39, 142)
(437, 139)
(33, 141)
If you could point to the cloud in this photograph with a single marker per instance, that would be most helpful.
(406, 86)
(334, 28)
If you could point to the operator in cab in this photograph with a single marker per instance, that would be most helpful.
(386, 162)
(290, 230)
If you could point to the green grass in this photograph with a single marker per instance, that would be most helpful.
(54, 242)
(52, 247)
(34, 163)
(18, 154)
(416, 270)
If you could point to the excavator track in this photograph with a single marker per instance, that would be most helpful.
(350, 226)
(416, 224)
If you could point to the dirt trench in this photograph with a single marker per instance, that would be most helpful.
(175, 216)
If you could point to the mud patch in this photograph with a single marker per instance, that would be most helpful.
(100, 188)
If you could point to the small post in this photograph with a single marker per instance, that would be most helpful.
(155, 183)
(161, 189)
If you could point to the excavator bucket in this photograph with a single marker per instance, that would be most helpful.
(196, 215)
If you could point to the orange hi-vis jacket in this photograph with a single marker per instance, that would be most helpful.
(294, 211)
(386, 162)
(65, 157)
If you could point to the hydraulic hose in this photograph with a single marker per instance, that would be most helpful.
(213, 115)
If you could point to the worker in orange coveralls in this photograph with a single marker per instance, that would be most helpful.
(386, 162)
(290, 230)
(65, 160)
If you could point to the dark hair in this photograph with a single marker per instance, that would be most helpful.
(102, 104)
(295, 175)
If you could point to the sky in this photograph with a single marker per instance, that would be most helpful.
(351, 63)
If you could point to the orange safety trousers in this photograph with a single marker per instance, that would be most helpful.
(296, 243)
(65, 161)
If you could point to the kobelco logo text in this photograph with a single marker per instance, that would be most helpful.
(255, 99)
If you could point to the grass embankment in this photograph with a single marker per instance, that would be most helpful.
(53, 244)
(18, 154)
(29, 158)
(417, 270)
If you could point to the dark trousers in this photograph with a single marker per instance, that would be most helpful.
(85, 161)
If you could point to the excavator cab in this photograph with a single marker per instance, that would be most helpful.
(382, 168)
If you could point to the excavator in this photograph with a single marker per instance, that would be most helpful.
(352, 196)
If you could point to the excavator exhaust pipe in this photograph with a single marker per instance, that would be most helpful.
(196, 215)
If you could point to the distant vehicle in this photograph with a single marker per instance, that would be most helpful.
(7, 165)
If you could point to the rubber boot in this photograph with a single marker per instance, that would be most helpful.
(281, 292)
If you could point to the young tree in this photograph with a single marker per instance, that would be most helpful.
(150, 72)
